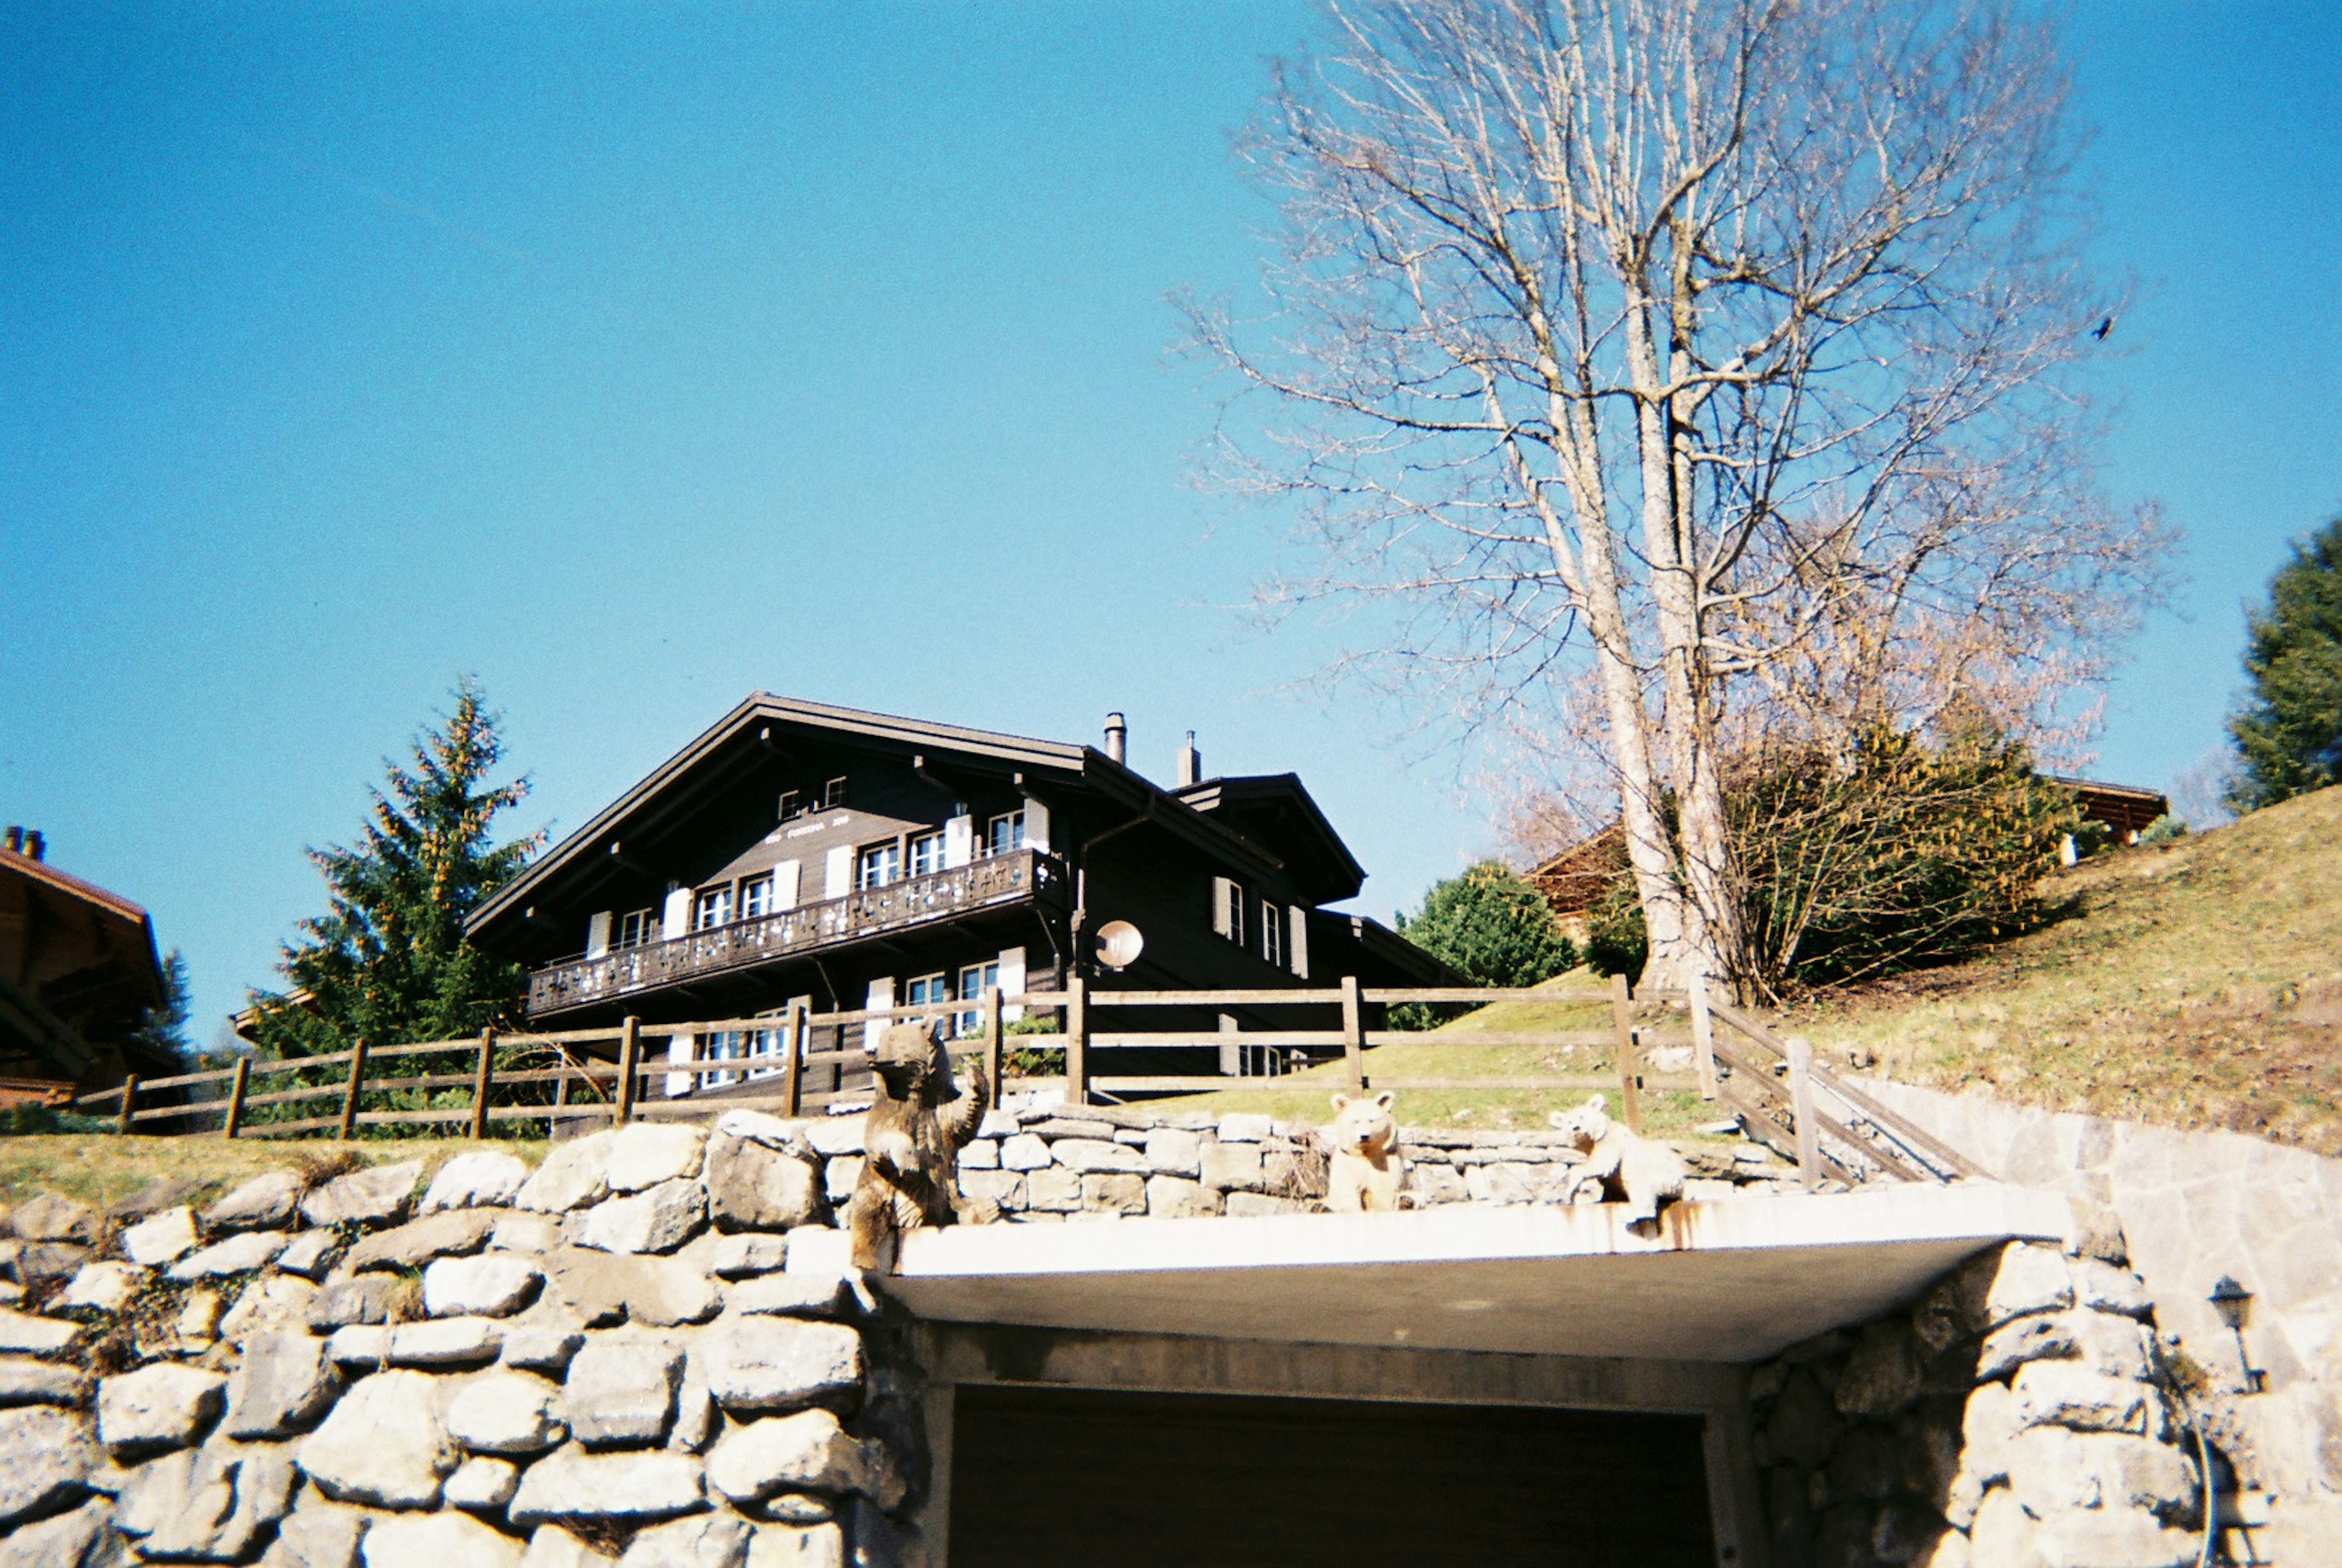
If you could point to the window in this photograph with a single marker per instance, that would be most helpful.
(792, 806)
(1008, 834)
(927, 853)
(756, 898)
(637, 927)
(768, 1051)
(832, 794)
(879, 864)
(1272, 934)
(925, 988)
(714, 908)
(973, 979)
(1235, 913)
(723, 1046)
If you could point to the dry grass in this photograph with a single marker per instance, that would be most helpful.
(2199, 985)
(103, 1169)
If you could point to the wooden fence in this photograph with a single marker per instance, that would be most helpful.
(1781, 1096)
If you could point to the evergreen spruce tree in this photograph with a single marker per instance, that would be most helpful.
(388, 962)
(165, 1028)
(2290, 735)
(1489, 926)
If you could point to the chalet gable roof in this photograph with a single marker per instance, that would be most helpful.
(1276, 810)
(743, 738)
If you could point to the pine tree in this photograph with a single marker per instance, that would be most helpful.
(1487, 924)
(163, 1028)
(389, 961)
(2290, 735)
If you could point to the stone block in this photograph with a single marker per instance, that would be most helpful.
(25, 1381)
(2116, 1538)
(647, 1154)
(696, 1415)
(542, 1346)
(284, 1384)
(754, 1187)
(571, 1175)
(493, 1284)
(363, 1345)
(796, 1546)
(1256, 1205)
(46, 1453)
(210, 1505)
(1178, 1198)
(383, 1444)
(2103, 1287)
(1024, 1152)
(789, 1296)
(1172, 1152)
(273, 1303)
(374, 1196)
(507, 1412)
(524, 1231)
(37, 1262)
(1434, 1185)
(1005, 1188)
(104, 1287)
(621, 1390)
(554, 1547)
(1244, 1127)
(1881, 1378)
(318, 1534)
(2031, 1278)
(483, 1484)
(308, 1254)
(2118, 1346)
(1504, 1184)
(352, 1299)
(765, 1364)
(161, 1405)
(807, 1452)
(2051, 1470)
(1114, 1193)
(163, 1238)
(700, 1541)
(438, 1541)
(52, 1217)
(839, 1175)
(739, 1256)
(1088, 1154)
(485, 1179)
(656, 1220)
(1054, 1191)
(85, 1538)
(1231, 1167)
(445, 1341)
(1803, 1425)
(239, 1254)
(834, 1135)
(450, 1232)
(2067, 1394)
(981, 1154)
(602, 1289)
(262, 1203)
(575, 1485)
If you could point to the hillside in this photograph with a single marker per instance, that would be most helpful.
(2196, 985)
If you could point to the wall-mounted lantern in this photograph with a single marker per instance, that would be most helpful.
(2234, 1303)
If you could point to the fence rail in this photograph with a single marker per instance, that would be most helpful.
(1781, 1097)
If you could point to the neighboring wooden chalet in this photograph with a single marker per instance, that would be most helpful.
(799, 854)
(2126, 809)
(77, 971)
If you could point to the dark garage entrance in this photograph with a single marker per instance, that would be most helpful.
(1049, 1476)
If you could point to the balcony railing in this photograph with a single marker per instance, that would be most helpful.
(744, 943)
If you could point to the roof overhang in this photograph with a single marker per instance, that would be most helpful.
(1737, 1280)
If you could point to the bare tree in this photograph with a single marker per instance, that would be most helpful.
(1659, 365)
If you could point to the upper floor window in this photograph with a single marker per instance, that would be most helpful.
(1230, 916)
(638, 927)
(927, 853)
(793, 804)
(879, 864)
(1008, 834)
(833, 793)
(756, 898)
(1272, 934)
(714, 908)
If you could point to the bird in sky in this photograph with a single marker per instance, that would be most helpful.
(2103, 328)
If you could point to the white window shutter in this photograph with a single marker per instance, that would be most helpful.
(1036, 825)
(838, 871)
(680, 1048)
(597, 934)
(1012, 980)
(1298, 947)
(786, 878)
(959, 841)
(676, 919)
(881, 995)
(1224, 898)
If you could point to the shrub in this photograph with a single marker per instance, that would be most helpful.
(1488, 925)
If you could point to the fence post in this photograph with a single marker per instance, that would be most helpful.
(480, 1077)
(235, 1097)
(350, 1095)
(1354, 1033)
(129, 1098)
(1801, 1106)
(630, 1045)
(996, 1045)
(1622, 1040)
(1077, 1041)
(793, 1089)
(1702, 1036)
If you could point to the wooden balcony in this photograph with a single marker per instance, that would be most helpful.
(1000, 880)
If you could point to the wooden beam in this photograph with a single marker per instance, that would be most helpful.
(1077, 1041)
(793, 1088)
(235, 1097)
(630, 1046)
(1622, 1040)
(996, 1043)
(348, 1127)
(129, 1098)
(1801, 1106)
(1354, 1033)
(480, 1077)
(1702, 1036)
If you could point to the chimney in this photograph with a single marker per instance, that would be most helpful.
(35, 845)
(13, 840)
(1191, 763)
(1118, 738)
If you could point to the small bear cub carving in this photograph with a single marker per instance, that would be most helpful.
(1363, 1167)
(912, 1136)
(1620, 1166)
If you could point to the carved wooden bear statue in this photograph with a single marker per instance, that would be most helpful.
(1362, 1168)
(912, 1137)
(1620, 1166)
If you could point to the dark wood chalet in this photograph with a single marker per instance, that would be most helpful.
(803, 854)
(77, 974)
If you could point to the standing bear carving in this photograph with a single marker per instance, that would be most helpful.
(913, 1133)
(1363, 1167)
(1620, 1166)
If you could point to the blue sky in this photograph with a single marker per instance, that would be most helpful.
(635, 358)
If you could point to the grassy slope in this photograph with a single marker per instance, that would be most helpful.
(2199, 985)
(99, 1168)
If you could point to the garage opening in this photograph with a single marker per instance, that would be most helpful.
(1048, 1476)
